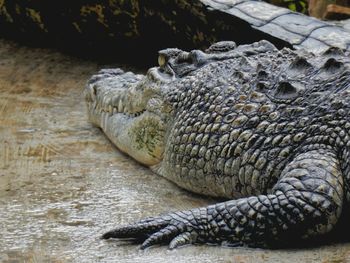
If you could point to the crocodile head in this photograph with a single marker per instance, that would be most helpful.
(131, 111)
(135, 111)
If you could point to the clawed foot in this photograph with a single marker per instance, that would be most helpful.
(176, 229)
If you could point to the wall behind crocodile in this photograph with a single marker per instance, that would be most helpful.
(116, 30)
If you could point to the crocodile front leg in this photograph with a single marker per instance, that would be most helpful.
(306, 201)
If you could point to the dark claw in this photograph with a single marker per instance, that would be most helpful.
(108, 235)
(140, 229)
(164, 235)
(181, 240)
(171, 228)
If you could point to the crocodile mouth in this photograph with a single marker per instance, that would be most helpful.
(135, 130)
(103, 103)
(110, 110)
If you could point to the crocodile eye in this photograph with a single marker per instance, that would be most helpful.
(161, 60)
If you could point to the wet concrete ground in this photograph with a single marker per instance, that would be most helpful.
(62, 183)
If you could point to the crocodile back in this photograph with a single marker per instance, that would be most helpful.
(239, 120)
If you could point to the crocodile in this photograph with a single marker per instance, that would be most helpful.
(266, 129)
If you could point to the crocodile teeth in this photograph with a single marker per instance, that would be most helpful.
(106, 103)
(120, 106)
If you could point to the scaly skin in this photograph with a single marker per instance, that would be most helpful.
(268, 129)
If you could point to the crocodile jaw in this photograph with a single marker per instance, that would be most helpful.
(139, 134)
(140, 137)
